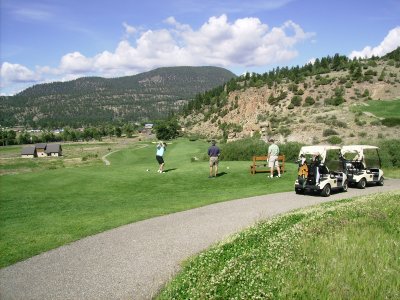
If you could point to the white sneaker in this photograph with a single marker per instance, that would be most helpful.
(271, 176)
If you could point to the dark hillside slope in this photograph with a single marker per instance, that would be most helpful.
(95, 100)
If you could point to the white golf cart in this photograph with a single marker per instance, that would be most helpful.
(362, 165)
(320, 170)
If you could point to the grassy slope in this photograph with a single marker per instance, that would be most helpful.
(346, 249)
(382, 109)
(43, 210)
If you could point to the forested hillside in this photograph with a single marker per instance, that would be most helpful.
(331, 100)
(95, 100)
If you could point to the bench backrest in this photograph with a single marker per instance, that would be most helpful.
(265, 157)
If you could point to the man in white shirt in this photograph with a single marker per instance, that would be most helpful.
(273, 153)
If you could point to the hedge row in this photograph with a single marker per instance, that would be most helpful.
(245, 149)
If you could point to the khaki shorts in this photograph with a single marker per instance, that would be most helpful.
(213, 161)
(273, 161)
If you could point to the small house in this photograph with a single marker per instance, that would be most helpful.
(29, 152)
(54, 150)
(41, 149)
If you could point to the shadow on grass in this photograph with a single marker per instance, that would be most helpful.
(169, 170)
(221, 174)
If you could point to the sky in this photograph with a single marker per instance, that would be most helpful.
(58, 40)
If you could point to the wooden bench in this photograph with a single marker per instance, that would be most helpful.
(260, 164)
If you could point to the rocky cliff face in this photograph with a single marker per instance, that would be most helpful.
(252, 110)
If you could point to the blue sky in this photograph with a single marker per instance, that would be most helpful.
(58, 40)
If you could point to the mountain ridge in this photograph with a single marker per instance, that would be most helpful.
(94, 100)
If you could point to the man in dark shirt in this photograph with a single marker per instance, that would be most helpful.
(213, 153)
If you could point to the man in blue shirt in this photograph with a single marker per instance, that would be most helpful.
(213, 153)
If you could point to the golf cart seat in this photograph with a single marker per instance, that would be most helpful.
(358, 165)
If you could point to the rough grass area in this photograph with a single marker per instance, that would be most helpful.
(392, 172)
(339, 250)
(74, 155)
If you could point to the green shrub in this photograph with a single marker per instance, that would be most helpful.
(293, 87)
(334, 140)
(309, 101)
(284, 131)
(290, 150)
(340, 124)
(389, 153)
(261, 118)
(391, 122)
(360, 122)
(348, 84)
(362, 134)
(89, 156)
(334, 101)
(375, 123)
(371, 73)
(245, 149)
(193, 137)
(329, 131)
(296, 100)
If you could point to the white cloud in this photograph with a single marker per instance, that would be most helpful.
(129, 30)
(75, 63)
(389, 43)
(246, 42)
(16, 73)
(33, 13)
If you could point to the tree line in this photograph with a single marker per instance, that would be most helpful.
(11, 137)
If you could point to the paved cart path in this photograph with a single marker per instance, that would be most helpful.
(134, 261)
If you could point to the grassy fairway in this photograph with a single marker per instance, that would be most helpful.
(51, 207)
(382, 109)
(346, 249)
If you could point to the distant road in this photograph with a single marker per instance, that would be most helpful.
(134, 261)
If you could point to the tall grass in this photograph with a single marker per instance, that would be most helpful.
(340, 250)
(245, 149)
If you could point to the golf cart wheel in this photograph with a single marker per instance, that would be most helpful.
(326, 191)
(380, 182)
(299, 191)
(345, 186)
(362, 183)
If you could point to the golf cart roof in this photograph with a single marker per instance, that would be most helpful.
(357, 148)
(318, 149)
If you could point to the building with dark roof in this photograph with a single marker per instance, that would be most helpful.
(29, 152)
(41, 149)
(54, 150)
